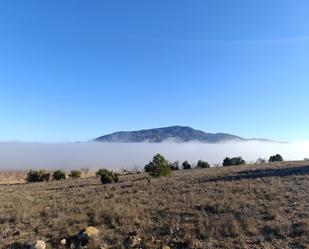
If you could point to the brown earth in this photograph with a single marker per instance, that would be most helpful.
(253, 206)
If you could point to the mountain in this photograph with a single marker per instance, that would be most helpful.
(174, 133)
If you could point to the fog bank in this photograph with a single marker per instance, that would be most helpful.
(129, 155)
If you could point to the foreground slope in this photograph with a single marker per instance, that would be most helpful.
(265, 206)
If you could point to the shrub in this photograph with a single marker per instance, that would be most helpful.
(59, 175)
(202, 164)
(75, 174)
(275, 158)
(233, 161)
(159, 166)
(227, 161)
(186, 165)
(100, 172)
(261, 161)
(238, 161)
(175, 165)
(35, 175)
(46, 177)
(107, 176)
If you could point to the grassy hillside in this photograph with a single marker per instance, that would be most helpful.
(265, 206)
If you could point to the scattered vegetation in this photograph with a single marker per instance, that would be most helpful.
(233, 161)
(202, 164)
(276, 158)
(100, 172)
(186, 165)
(75, 174)
(107, 176)
(250, 206)
(44, 176)
(59, 175)
(261, 161)
(159, 166)
(37, 176)
(175, 165)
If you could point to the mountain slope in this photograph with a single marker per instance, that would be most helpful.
(175, 133)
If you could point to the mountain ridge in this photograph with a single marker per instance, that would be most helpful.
(175, 133)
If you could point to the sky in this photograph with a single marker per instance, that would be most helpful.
(75, 70)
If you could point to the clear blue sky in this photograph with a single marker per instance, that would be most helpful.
(75, 70)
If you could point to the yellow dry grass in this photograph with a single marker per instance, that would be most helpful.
(253, 206)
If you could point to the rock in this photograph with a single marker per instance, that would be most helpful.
(198, 244)
(40, 244)
(88, 232)
(136, 241)
(149, 239)
(63, 242)
(91, 231)
(132, 241)
(16, 232)
(86, 236)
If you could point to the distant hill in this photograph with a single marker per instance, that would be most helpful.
(174, 133)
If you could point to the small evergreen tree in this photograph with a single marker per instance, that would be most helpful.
(175, 165)
(75, 174)
(59, 175)
(202, 164)
(233, 161)
(276, 158)
(159, 166)
(227, 161)
(186, 165)
(107, 176)
(100, 172)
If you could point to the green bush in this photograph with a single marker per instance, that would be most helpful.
(35, 175)
(107, 176)
(75, 174)
(100, 172)
(159, 166)
(186, 165)
(202, 164)
(233, 161)
(59, 175)
(175, 165)
(276, 158)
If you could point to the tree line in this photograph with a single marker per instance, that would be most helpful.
(158, 166)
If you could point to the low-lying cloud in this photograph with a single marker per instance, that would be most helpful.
(129, 155)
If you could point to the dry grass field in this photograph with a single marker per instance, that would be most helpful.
(253, 206)
(12, 177)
